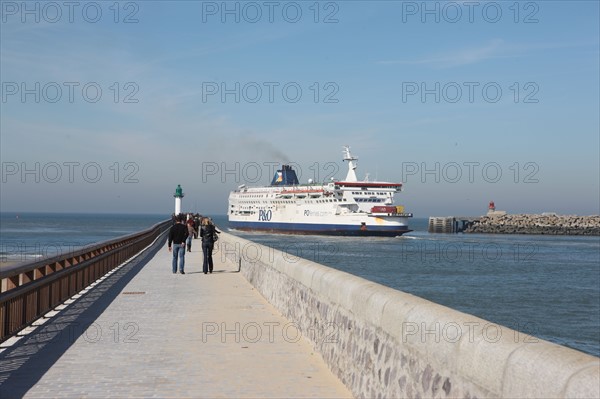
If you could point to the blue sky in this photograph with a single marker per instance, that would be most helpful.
(465, 102)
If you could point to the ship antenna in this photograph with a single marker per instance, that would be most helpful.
(352, 163)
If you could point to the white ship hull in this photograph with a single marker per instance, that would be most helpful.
(305, 219)
(350, 207)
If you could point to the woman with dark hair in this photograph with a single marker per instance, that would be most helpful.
(208, 233)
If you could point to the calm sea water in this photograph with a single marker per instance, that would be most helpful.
(26, 236)
(547, 286)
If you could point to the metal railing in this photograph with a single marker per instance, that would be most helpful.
(29, 290)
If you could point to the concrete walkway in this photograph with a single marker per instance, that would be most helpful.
(145, 332)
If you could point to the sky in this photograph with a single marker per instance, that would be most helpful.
(108, 106)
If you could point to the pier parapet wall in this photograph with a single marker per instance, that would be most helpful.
(382, 342)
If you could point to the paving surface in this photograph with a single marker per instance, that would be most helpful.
(145, 332)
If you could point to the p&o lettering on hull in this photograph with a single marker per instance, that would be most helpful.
(264, 216)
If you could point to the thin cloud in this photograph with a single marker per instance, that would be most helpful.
(493, 49)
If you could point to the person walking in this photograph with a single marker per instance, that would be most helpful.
(177, 236)
(208, 234)
(191, 232)
(197, 219)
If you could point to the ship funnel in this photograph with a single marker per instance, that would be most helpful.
(286, 176)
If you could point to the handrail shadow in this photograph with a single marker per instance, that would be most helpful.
(23, 364)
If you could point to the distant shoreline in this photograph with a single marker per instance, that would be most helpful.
(7, 263)
(545, 224)
(18, 213)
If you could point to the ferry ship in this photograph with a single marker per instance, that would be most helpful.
(347, 207)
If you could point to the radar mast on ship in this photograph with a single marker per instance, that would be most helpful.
(351, 176)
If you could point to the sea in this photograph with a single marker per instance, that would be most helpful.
(545, 286)
(30, 236)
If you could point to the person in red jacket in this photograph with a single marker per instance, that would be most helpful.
(191, 232)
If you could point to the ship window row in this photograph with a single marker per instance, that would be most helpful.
(369, 199)
(309, 201)
(368, 193)
(247, 203)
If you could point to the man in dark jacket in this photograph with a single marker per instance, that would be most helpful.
(177, 236)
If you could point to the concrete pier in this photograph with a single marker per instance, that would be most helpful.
(269, 324)
(145, 332)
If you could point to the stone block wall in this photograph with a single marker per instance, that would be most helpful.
(383, 343)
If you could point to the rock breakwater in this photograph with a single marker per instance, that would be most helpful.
(537, 224)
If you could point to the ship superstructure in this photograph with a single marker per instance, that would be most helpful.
(348, 207)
